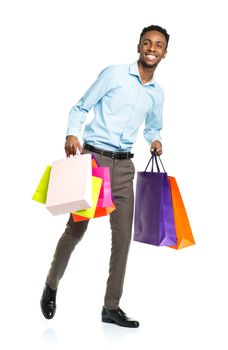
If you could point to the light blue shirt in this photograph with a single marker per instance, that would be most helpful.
(121, 104)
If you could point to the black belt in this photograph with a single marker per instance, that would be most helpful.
(113, 155)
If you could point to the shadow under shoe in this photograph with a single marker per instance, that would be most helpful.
(48, 302)
(118, 317)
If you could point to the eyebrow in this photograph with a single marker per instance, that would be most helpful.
(158, 41)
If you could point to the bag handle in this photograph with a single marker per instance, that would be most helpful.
(154, 158)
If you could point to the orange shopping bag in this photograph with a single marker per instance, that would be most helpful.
(182, 225)
(98, 213)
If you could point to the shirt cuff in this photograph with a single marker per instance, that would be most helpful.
(72, 132)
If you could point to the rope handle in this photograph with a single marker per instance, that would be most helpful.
(153, 158)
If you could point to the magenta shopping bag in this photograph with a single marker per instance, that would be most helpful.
(105, 196)
(153, 215)
(105, 204)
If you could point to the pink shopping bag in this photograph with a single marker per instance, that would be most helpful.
(70, 185)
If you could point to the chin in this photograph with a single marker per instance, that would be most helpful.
(148, 64)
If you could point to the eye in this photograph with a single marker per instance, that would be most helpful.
(160, 46)
(146, 43)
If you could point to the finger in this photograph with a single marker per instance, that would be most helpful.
(67, 153)
(74, 149)
(67, 150)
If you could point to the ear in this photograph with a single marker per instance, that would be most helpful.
(164, 56)
(138, 48)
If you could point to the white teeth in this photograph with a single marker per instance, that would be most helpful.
(151, 57)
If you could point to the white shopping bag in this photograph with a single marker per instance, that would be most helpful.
(70, 185)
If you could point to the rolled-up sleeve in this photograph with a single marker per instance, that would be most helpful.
(78, 113)
(154, 120)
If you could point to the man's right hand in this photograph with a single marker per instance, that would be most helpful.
(72, 145)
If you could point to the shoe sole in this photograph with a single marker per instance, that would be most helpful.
(109, 320)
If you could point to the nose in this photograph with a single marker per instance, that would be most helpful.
(152, 47)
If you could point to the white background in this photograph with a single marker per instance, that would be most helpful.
(51, 51)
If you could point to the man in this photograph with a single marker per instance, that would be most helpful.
(123, 97)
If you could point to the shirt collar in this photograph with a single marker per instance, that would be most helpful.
(134, 70)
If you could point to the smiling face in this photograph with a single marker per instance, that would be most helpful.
(152, 48)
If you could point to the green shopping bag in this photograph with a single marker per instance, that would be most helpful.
(96, 187)
(41, 192)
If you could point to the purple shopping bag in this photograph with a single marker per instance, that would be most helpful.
(153, 216)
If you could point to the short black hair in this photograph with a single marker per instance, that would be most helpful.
(158, 29)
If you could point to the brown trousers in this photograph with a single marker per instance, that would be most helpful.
(122, 174)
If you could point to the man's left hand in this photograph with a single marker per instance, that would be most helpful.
(156, 148)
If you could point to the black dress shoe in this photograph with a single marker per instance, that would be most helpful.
(48, 302)
(118, 317)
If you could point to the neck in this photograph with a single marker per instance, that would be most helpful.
(146, 73)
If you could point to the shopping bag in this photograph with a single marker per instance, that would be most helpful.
(105, 204)
(70, 185)
(182, 225)
(105, 197)
(94, 162)
(40, 194)
(99, 212)
(153, 213)
(96, 187)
